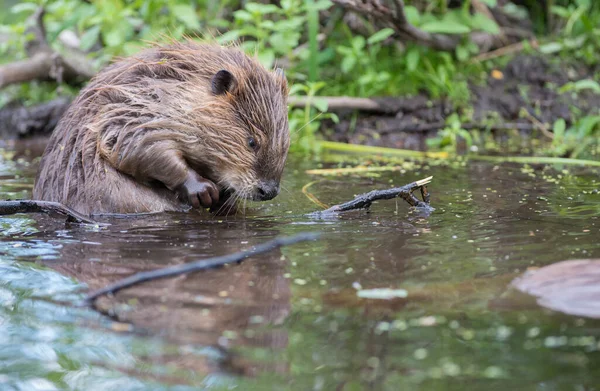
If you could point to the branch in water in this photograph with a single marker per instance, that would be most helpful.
(197, 266)
(32, 206)
(364, 201)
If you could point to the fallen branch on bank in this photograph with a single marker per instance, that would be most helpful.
(364, 201)
(34, 206)
(205, 264)
(44, 63)
(381, 105)
(336, 103)
(20, 121)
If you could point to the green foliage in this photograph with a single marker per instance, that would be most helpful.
(580, 137)
(579, 36)
(268, 30)
(451, 136)
(581, 85)
(306, 121)
(311, 39)
(454, 21)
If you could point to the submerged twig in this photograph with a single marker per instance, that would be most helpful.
(197, 266)
(311, 196)
(364, 201)
(34, 206)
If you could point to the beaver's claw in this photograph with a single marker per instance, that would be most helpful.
(199, 191)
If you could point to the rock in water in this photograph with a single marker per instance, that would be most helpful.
(572, 287)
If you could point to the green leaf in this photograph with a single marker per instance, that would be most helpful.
(445, 27)
(412, 59)
(551, 47)
(585, 84)
(23, 7)
(266, 58)
(320, 104)
(346, 51)
(89, 38)
(348, 64)
(114, 36)
(257, 8)
(490, 3)
(412, 15)
(229, 36)
(466, 136)
(322, 5)
(574, 43)
(242, 15)
(279, 42)
(289, 24)
(186, 14)
(289, 41)
(587, 125)
(297, 87)
(380, 35)
(132, 47)
(462, 53)
(483, 23)
(559, 128)
(358, 43)
(560, 11)
(365, 79)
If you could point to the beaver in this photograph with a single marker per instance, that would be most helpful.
(175, 127)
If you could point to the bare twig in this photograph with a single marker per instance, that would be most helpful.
(43, 62)
(33, 206)
(505, 50)
(364, 201)
(542, 127)
(201, 265)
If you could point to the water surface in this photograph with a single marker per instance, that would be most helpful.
(291, 319)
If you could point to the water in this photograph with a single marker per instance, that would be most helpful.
(291, 319)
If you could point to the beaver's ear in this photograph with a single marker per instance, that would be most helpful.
(222, 82)
(280, 74)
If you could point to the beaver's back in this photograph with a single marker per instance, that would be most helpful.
(73, 170)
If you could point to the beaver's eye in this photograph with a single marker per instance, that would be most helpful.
(252, 143)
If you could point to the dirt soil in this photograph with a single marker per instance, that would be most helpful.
(527, 82)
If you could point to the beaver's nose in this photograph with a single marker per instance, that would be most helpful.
(267, 190)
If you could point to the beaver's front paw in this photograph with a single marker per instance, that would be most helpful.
(199, 191)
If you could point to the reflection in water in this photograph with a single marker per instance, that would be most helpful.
(292, 319)
(195, 308)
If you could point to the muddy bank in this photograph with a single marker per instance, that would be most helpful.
(523, 97)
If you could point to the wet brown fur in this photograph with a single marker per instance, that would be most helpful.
(134, 133)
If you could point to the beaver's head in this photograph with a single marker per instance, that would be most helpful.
(240, 121)
(250, 137)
